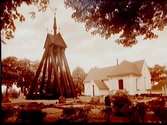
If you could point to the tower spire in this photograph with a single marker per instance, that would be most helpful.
(55, 24)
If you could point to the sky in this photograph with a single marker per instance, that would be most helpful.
(83, 49)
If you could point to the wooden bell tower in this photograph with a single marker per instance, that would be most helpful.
(53, 78)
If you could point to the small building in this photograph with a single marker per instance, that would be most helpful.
(134, 77)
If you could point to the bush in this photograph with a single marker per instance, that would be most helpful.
(107, 101)
(31, 113)
(138, 112)
(141, 108)
(161, 112)
(62, 99)
(159, 102)
(121, 103)
(69, 111)
(158, 106)
(14, 94)
(5, 99)
(2, 115)
(74, 114)
(34, 106)
(84, 113)
(34, 116)
(7, 112)
(71, 114)
(95, 100)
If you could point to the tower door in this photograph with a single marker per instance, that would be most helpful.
(120, 84)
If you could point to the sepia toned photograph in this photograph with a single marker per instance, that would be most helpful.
(83, 61)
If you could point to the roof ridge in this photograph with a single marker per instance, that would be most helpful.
(139, 60)
(124, 68)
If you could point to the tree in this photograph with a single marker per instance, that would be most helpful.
(158, 74)
(19, 71)
(9, 66)
(127, 18)
(25, 73)
(78, 77)
(9, 76)
(9, 13)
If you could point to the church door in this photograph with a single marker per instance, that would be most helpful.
(120, 84)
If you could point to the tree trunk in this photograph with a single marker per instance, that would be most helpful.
(0, 77)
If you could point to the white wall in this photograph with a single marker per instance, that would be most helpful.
(131, 85)
(144, 82)
(128, 84)
(147, 75)
(88, 89)
(103, 92)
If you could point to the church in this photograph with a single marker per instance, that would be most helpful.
(134, 77)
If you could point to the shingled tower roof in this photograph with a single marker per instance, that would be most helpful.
(55, 38)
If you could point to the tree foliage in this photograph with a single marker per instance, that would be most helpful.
(9, 68)
(18, 70)
(9, 13)
(78, 77)
(128, 18)
(158, 74)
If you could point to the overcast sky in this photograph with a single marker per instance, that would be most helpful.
(83, 50)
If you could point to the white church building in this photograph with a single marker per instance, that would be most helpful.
(134, 77)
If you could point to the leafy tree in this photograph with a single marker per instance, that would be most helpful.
(8, 71)
(26, 74)
(158, 74)
(127, 18)
(78, 77)
(9, 66)
(9, 13)
(19, 71)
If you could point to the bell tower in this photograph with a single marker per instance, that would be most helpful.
(53, 77)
